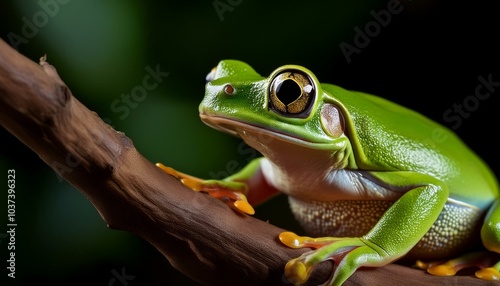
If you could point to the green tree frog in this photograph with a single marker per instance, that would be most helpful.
(374, 181)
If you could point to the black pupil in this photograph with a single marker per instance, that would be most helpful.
(288, 91)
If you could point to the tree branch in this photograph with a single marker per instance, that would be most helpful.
(199, 235)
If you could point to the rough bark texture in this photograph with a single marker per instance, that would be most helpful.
(199, 235)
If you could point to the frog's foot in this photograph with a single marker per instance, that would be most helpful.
(348, 254)
(484, 260)
(228, 191)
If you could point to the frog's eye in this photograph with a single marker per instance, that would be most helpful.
(291, 93)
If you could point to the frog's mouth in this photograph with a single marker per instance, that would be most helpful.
(260, 135)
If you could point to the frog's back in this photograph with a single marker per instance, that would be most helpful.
(387, 136)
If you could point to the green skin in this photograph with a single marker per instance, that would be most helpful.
(311, 146)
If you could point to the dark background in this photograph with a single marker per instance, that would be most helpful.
(428, 57)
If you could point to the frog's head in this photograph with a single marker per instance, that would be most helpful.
(287, 107)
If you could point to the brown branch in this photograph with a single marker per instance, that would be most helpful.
(199, 235)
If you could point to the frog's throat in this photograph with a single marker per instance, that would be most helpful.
(244, 130)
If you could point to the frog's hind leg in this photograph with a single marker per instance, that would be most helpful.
(483, 259)
(487, 261)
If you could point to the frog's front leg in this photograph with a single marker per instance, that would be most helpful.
(233, 189)
(395, 234)
(487, 261)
